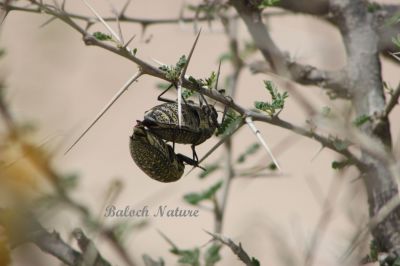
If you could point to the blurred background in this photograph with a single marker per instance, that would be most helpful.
(58, 84)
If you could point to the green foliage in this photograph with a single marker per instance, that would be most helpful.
(388, 88)
(227, 56)
(253, 148)
(212, 256)
(231, 121)
(373, 251)
(396, 262)
(268, 3)
(326, 111)
(207, 82)
(187, 256)
(255, 262)
(339, 144)
(361, 120)
(272, 167)
(209, 170)
(102, 36)
(148, 261)
(393, 20)
(162, 86)
(196, 198)
(69, 181)
(372, 7)
(134, 51)
(122, 229)
(278, 100)
(396, 40)
(338, 165)
(173, 72)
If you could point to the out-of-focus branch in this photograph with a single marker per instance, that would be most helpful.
(279, 61)
(230, 29)
(393, 101)
(24, 228)
(236, 249)
(382, 15)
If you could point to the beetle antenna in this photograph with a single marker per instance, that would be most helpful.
(106, 107)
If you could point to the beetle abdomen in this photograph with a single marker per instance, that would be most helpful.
(155, 157)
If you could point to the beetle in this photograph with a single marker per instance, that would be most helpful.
(156, 158)
(198, 123)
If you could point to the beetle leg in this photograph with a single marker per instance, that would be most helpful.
(189, 161)
(195, 158)
(162, 99)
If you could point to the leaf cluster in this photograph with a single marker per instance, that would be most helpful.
(267, 3)
(195, 198)
(192, 256)
(278, 100)
(173, 72)
(232, 119)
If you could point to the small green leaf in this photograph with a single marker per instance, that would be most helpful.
(253, 148)
(339, 144)
(212, 255)
(195, 198)
(173, 72)
(134, 51)
(268, 3)
(393, 19)
(225, 57)
(209, 170)
(272, 166)
(372, 7)
(69, 181)
(255, 262)
(148, 261)
(396, 40)
(102, 36)
(162, 86)
(231, 120)
(340, 164)
(326, 111)
(189, 256)
(278, 100)
(359, 121)
(373, 251)
(122, 229)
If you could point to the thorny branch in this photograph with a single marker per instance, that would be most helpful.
(148, 69)
(236, 249)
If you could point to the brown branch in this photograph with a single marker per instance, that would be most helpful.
(22, 227)
(148, 69)
(393, 101)
(279, 61)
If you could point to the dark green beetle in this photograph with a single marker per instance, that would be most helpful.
(198, 123)
(156, 158)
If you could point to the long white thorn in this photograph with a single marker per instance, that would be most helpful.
(112, 32)
(180, 104)
(182, 76)
(106, 107)
(250, 123)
